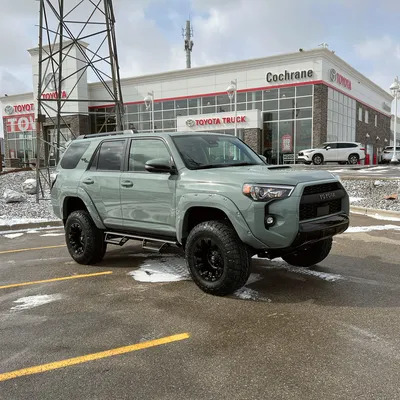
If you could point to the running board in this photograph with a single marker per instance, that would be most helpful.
(153, 246)
(120, 239)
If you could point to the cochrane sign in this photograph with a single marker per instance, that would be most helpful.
(289, 75)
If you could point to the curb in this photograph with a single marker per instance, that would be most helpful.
(31, 226)
(374, 211)
(367, 178)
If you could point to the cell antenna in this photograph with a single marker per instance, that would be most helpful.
(187, 33)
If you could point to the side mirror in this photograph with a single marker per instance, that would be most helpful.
(263, 158)
(327, 147)
(160, 165)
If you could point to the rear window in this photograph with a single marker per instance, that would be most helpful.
(73, 154)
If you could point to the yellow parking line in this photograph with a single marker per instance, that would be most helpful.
(31, 248)
(55, 279)
(91, 357)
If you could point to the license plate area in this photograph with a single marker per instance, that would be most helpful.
(322, 211)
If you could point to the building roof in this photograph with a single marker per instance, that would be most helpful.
(304, 55)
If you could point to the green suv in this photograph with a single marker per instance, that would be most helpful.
(208, 193)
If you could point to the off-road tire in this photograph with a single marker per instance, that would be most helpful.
(353, 159)
(233, 252)
(311, 255)
(318, 159)
(93, 246)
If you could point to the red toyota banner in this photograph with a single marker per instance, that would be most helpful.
(20, 123)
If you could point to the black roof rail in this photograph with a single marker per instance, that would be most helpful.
(96, 135)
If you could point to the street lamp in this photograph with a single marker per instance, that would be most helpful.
(149, 103)
(395, 89)
(232, 91)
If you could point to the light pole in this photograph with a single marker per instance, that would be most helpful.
(232, 91)
(395, 89)
(149, 102)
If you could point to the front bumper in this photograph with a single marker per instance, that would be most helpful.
(311, 232)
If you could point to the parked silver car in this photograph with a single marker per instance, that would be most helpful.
(386, 155)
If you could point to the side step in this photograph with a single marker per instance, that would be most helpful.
(153, 246)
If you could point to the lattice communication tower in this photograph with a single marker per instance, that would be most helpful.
(64, 26)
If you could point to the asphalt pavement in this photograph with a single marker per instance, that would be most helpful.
(330, 332)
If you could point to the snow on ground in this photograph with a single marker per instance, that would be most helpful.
(355, 199)
(26, 303)
(279, 263)
(13, 235)
(171, 269)
(358, 229)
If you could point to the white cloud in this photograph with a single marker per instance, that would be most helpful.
(373, 48)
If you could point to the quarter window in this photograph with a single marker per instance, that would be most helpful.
(143, 150)
(73, 154)
(110, 155)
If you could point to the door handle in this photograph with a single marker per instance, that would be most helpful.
(88, 181)
(127, 183)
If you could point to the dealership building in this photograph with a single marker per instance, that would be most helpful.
(284, 103)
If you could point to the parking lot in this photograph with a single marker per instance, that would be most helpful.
(136, 327)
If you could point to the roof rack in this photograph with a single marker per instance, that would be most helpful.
(95, 135)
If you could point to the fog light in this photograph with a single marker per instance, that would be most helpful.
(270, 220)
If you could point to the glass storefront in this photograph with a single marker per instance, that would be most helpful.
(287, 117)
(21, 145)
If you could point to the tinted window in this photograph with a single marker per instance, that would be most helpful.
(214, 151)
(143, 150)
(110, 155)
(73, 154)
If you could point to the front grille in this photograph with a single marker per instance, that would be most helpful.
(322, 188)
(310, 211)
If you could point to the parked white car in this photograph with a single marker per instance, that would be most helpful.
(339, 152)
(387, 154)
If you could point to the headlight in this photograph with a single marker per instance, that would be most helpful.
(267, 192)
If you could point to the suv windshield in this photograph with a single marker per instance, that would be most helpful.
(214, 151)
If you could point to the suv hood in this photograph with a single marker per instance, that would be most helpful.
(261, 174)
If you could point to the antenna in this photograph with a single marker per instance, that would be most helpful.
(187, 33)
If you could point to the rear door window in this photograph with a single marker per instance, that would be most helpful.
(73, 154)
(110, 155)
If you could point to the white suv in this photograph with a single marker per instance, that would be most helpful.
(340, 152)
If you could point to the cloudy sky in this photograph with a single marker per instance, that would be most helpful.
(149, 34)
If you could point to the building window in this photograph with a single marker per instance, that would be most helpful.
(341, 117)
(366, 116)
(360, 114)
(376, 120)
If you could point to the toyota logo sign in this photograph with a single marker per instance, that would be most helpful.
(332, 74)
(9, 110)
(190, 123)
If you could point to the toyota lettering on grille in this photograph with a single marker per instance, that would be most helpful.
(327, 196)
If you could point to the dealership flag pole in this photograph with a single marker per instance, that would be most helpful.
(395, 89)
(236, 107)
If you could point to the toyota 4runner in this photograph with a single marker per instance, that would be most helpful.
(208, 193)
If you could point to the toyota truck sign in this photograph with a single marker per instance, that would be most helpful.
(220, 121)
